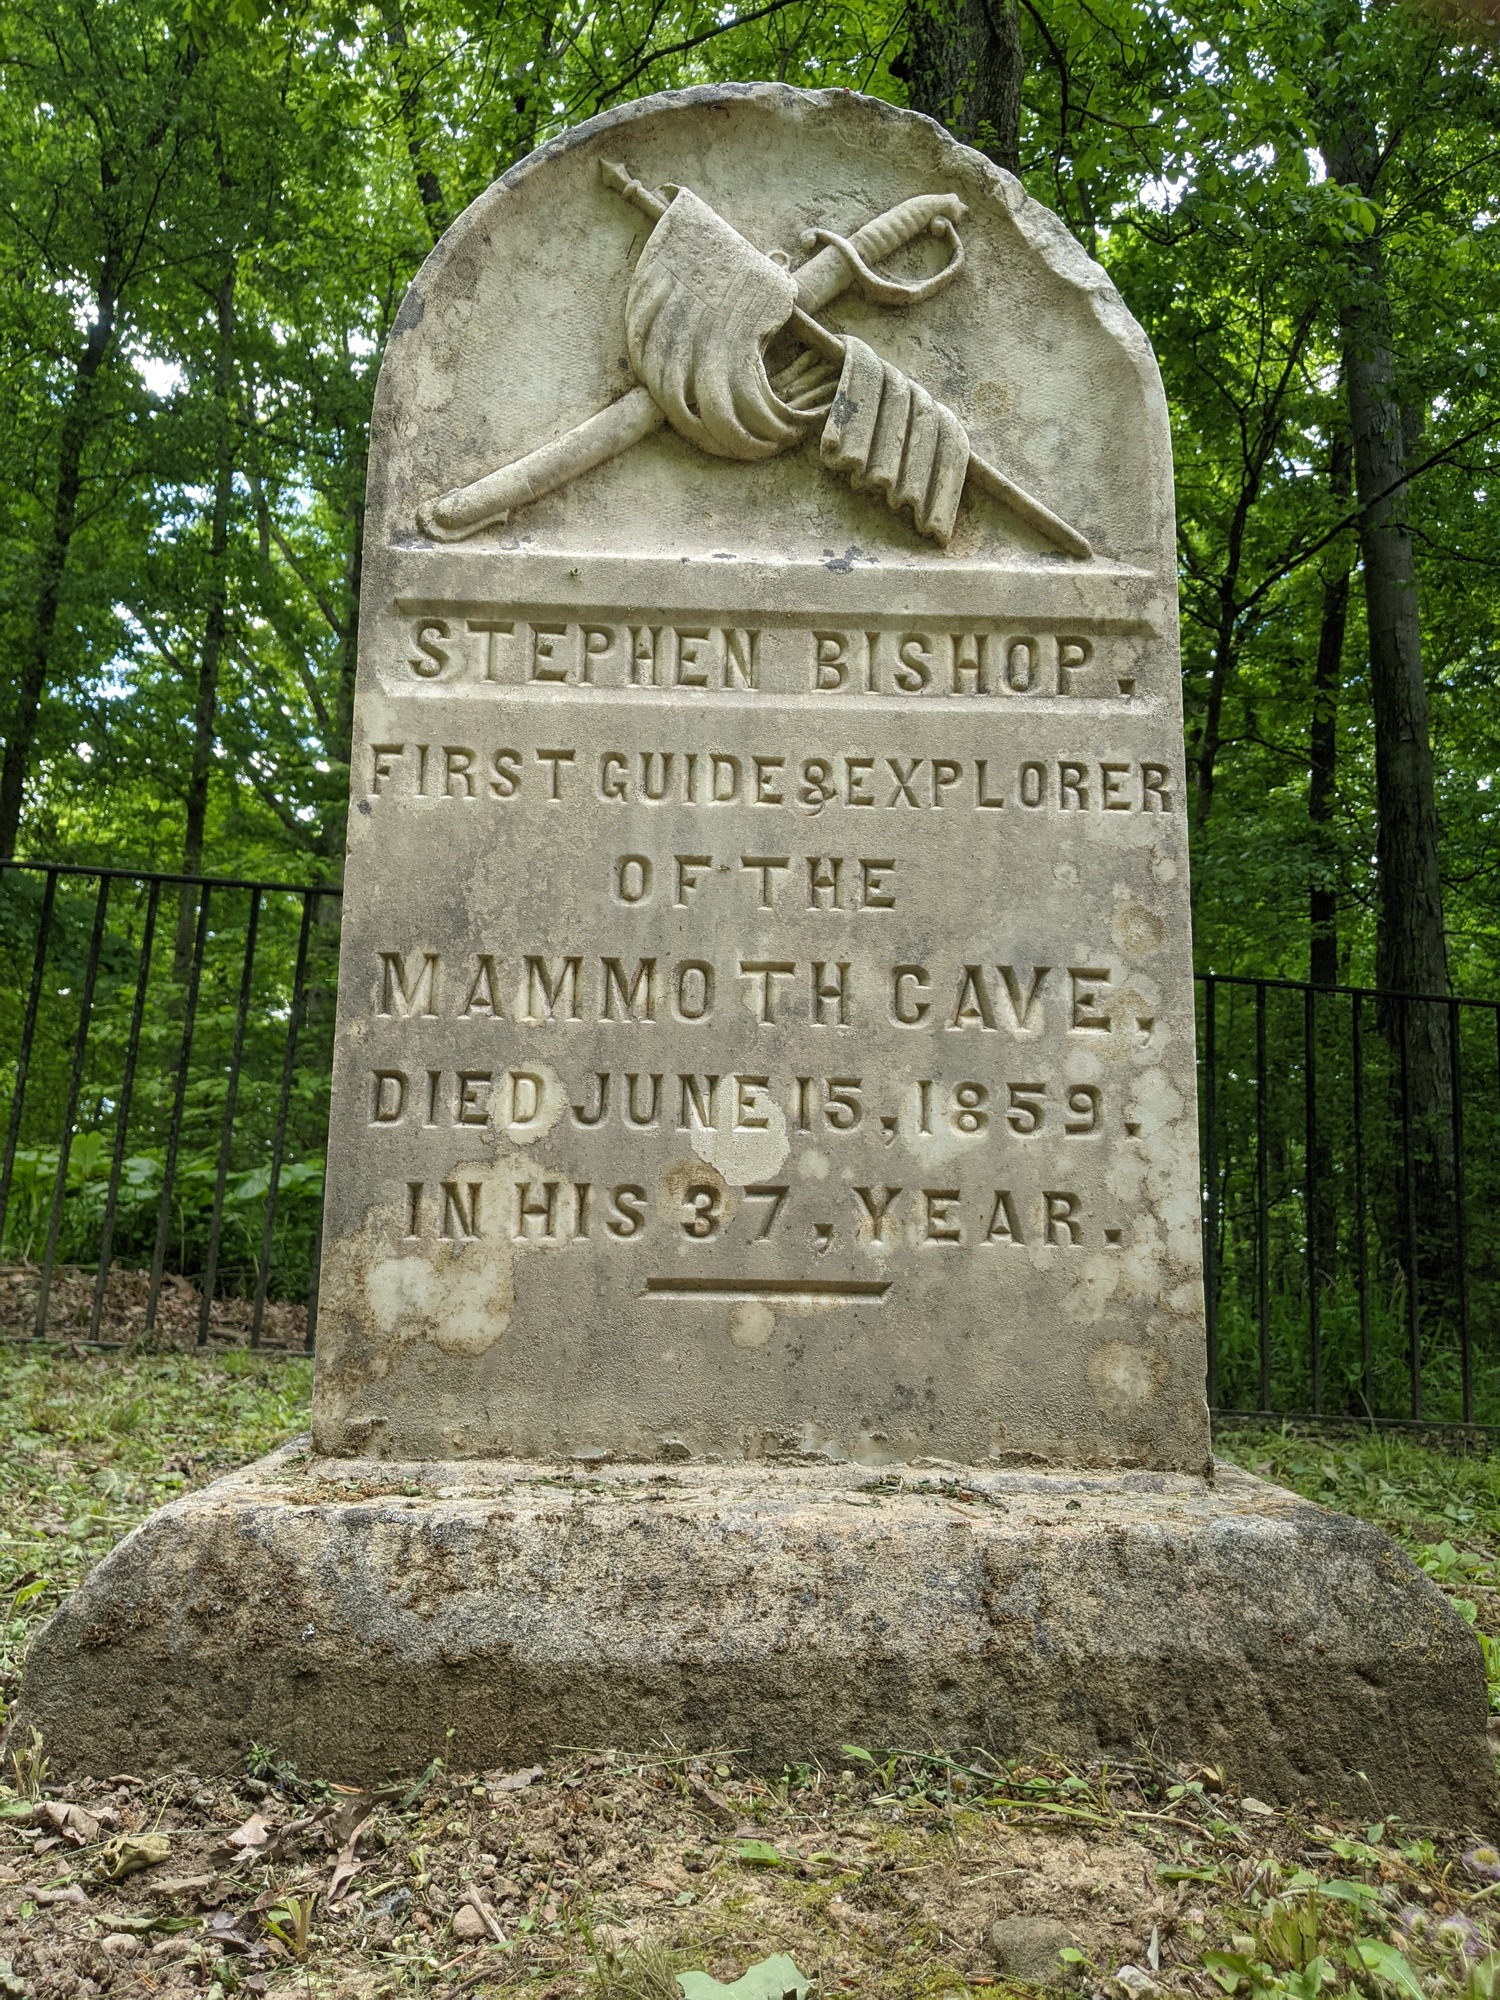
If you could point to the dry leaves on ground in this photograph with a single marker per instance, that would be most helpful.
(603, 1877)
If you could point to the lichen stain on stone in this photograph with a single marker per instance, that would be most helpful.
(1124, 1376)
(544, 1094)
(745, 1158)
(678, 1205)
(751, 1323)
(1137, 930)
(1113, 1277)
(458, 1294)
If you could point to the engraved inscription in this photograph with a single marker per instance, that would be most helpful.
(468, 649)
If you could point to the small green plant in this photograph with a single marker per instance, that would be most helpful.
(291, 1923)
(29, 1763)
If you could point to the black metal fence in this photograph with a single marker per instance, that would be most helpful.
(1351, 1202)
(167, 1040)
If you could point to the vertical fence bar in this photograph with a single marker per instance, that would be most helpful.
(1361, 1256)
(1460, 1214)
(1409, 1214)
(179, 1099)
(1262, 1202)
(226, 1132)
(70, 1111)
(23, 1055)
(1211, 1186)
(122, 1121)
(283, 1107)
(1310, 1194)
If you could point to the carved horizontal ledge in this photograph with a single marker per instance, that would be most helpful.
(787, 1290)
(398, 687)
(430, 579)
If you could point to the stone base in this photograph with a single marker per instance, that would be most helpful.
(362, 1618)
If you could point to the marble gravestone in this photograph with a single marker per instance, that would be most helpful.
(761, 1297)
(766, 1010)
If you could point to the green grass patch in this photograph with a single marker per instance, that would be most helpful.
(1439, 1500)
(91, 1443)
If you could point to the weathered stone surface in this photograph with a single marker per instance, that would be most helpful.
(352, 1614)
(765, 1018)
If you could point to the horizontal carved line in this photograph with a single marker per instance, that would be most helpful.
(768, 1288)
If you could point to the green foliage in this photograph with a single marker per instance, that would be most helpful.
(91, 1445)
(1442, 1506)
(298, 162)
(204, 1142)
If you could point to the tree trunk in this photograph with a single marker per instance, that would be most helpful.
(215, 622)
(1410, 945)
(963, 65)
(1411, 951)
(1322, 749)
(408, 84)
(35, 651)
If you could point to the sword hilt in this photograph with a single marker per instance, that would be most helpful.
(823, 277)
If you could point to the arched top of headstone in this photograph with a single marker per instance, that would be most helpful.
(654, 373)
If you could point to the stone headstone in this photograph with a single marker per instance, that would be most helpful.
(765, 1043)
(765, 1017)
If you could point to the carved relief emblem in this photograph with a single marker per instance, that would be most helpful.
(703, 309)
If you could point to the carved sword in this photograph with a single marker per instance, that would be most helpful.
(489, 501)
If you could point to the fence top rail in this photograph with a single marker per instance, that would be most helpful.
(177, 881)
(1358, 992)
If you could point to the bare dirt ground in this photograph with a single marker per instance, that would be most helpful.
(603, 1876)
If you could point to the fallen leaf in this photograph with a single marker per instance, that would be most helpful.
(128, 1854)
(716, 1803)
(347, 1864)
(224, 1927)
(78, 1827)
(768, 1979)
(282, 1837)
(758, 1854)
(74, 1893)
(1258, 1807)
(181, 1885)
(253, 1835)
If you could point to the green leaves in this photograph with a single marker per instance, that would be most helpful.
(775, 1978)
(1390, 1966)
(757, 1854)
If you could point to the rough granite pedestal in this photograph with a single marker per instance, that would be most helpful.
(364, 1617)
(764, 1072)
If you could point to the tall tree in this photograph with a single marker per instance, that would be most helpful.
(1411, 946)
(963, 65)
(94, 145)
(1323, 730)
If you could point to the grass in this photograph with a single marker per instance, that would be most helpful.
(91, 1443)
(1440, 1502)
(608, 1875)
